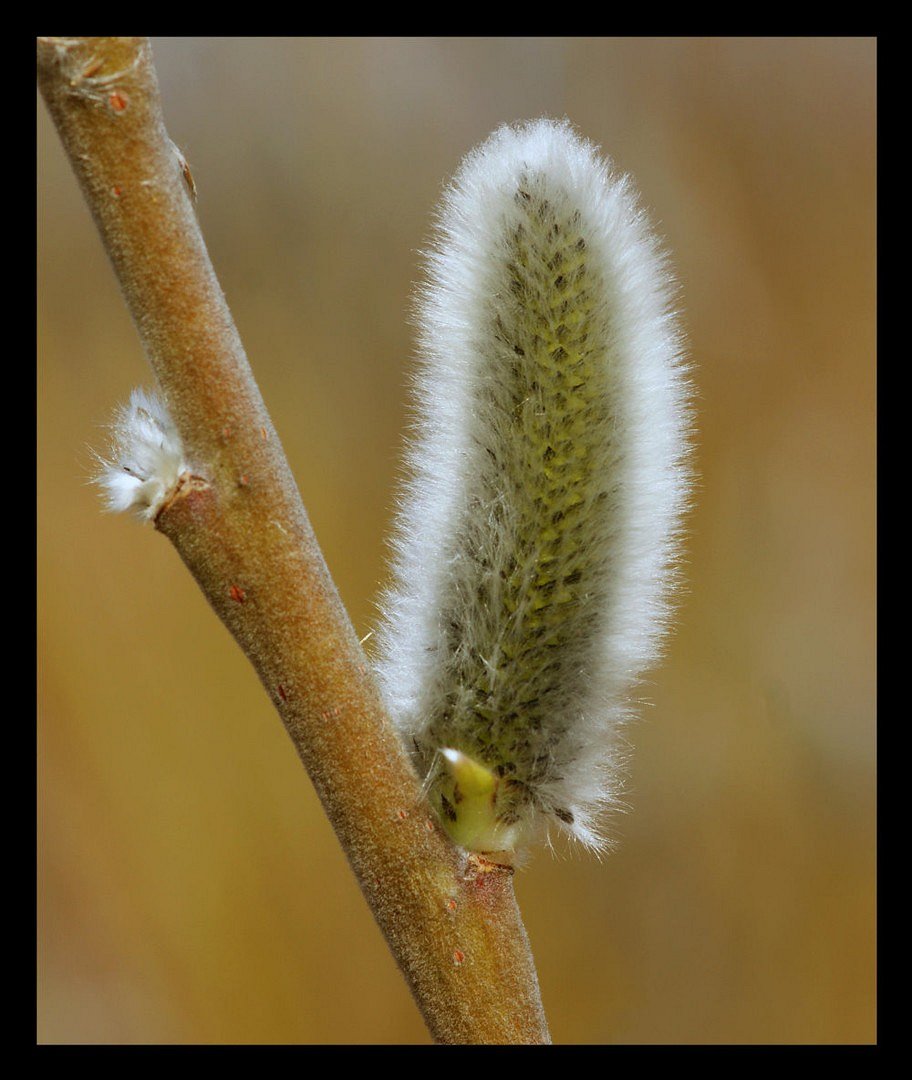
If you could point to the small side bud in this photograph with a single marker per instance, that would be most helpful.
(145, 461)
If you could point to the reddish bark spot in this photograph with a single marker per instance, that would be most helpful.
(118, 101)
(451, 904)
(237, 594)
(402, 814)
(458, 956)
(226, 431)
(282, 693)
(429, 825)
(244, 480)
(115, 191)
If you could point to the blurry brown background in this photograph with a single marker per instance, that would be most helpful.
(190, 889)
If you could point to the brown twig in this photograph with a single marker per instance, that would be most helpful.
(451, 921)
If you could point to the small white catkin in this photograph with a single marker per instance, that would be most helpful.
(537, 533)
(146, 459)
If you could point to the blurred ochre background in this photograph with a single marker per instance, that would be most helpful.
(190, 889)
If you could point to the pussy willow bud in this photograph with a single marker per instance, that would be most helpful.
(537, 531)
(146, 459)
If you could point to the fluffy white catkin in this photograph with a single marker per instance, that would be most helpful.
(536, 535)
(146, 459)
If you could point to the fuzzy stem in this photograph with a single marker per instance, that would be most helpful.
(238, 523)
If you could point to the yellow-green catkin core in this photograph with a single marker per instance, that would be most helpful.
(469, 796)
(524, 604)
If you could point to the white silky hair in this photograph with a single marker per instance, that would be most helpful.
(536, 536)
(146, 459)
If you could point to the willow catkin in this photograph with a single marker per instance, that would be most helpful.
(536, 535)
